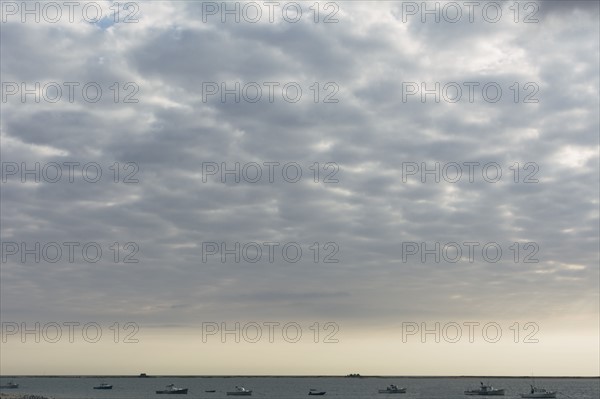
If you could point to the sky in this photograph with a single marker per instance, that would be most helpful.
(392, 188)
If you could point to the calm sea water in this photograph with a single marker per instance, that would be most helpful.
(293, 388)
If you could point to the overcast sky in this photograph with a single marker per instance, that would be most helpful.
(372, 130)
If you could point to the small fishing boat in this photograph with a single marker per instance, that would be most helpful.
(172, 389)
(211, 390)
(485, 390)
(536, 392)
(314, 392)
(9, 385)
(103, 386)
(393, 389)
(240, 391)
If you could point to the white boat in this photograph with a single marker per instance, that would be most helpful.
(539, 393)
(485, 390)
(9, 385)
(240, 391)
(393, 389)
(172, 389)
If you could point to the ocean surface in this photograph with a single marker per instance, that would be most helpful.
(292, 388)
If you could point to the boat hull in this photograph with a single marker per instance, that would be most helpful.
(110, 387)
(174, 392)
(9, 386)
(241, 393)
(495, 392)
(317, 393)
(402, 390)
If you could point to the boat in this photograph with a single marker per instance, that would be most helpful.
(539, 393)
(172, 389)
(211, 390)
(485, 390)
(314, 392)
(240, 391)
(103, 386)
(393, 389)
(9, 385)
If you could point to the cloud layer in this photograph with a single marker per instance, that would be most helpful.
(375, 140)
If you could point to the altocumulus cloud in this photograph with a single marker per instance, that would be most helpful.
(373, 55)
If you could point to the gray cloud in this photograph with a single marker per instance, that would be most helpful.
(370, 133)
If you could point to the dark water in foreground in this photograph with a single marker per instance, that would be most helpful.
(293, 388)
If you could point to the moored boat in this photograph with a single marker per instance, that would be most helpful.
(240, 391)
(314, 392)
(172, 389)
(9, 385)
(392, 389)
(103, 386)
(485, 390)
(536, 392)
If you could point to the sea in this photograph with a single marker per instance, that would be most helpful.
(294, 387)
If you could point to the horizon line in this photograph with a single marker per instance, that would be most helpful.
(283, 376)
